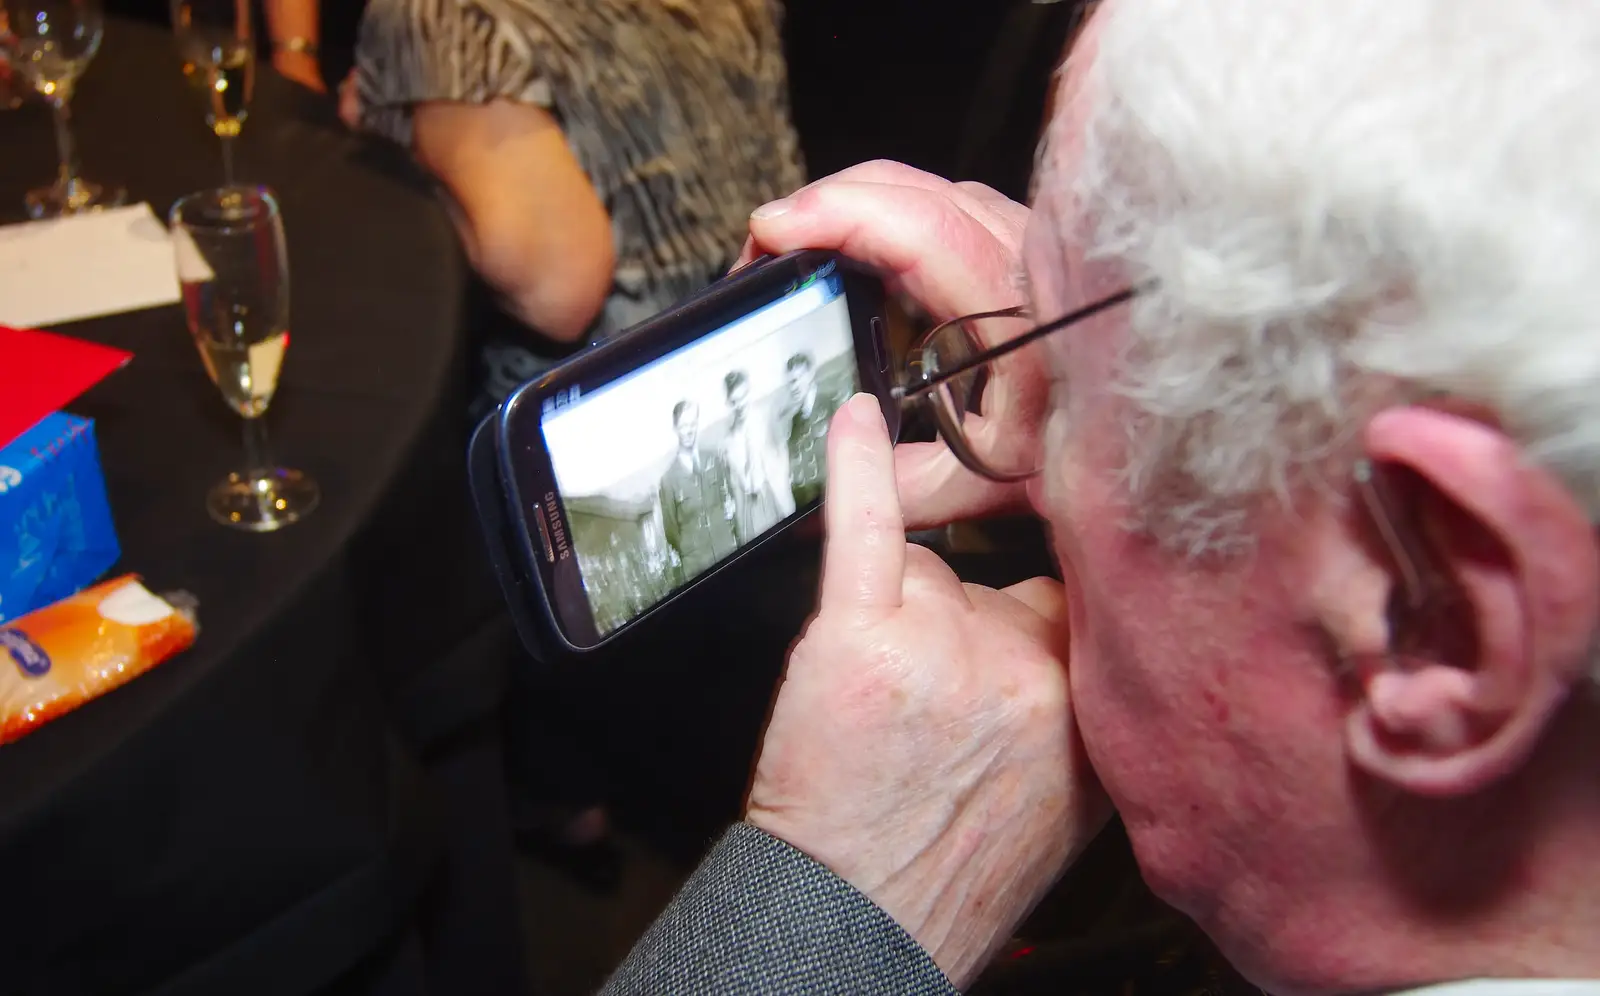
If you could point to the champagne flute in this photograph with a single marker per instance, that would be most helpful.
(217, 43)
(49, 43)
(234, 271)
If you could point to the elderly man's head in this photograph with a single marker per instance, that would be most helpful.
(1347, 720)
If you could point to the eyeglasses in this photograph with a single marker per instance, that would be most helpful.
(990, 396)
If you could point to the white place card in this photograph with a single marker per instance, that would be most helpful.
(84, 266)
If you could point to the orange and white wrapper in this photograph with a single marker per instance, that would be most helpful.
(54, 659)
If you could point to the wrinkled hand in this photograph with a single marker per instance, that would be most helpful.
(953, 247)
(922, 744)
(300, 67)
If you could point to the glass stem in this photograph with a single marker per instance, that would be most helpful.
(66, 149)
(256, 452)
(227, 161)
(258, 463)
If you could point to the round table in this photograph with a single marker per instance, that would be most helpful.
(249, 816)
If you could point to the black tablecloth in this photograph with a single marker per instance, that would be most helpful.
(246, 818)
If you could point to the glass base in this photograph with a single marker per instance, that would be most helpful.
(59, 200)
(261, 503)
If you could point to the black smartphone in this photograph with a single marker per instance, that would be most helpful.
(632, 472)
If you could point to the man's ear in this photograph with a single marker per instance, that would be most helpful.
(1493, 654)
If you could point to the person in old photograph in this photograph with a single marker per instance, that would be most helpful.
(809, 413)
(698, 505)
(627, 576)
(749, 450)
(661, 563)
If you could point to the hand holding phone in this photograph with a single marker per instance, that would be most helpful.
(622, 478)
(954, 248)
(968, 826)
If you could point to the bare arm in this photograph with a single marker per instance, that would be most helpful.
(533, 225)
(295, 29)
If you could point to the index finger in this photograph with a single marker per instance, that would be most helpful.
(746, 254)
(876, 171)
(925, 242)
(864, 556)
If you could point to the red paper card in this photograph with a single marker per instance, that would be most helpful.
(41, 372)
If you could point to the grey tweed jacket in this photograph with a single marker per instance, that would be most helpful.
(759, 916)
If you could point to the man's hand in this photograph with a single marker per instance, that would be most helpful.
(953, 247)
(922, 745)
(300, 67)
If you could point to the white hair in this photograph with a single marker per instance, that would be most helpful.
(1331, 195)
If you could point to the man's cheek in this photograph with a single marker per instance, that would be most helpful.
(1051, 491)
(1054, 495)
(1035, 490)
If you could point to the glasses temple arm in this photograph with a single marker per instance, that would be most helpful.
(928, 383)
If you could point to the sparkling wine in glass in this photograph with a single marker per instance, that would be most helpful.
(48, 44)
(233, 268)
(216, 42)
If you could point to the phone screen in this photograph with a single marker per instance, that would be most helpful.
(668, 470)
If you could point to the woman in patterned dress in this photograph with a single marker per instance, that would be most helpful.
(752, 457)
(599, 157)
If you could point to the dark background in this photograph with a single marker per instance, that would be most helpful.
(895, 79)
